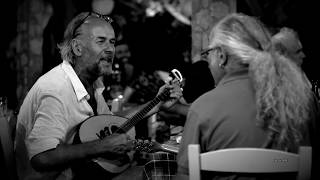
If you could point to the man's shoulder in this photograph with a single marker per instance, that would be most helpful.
(213, 101)
(208, 96)
(206, 101)
(55, 79)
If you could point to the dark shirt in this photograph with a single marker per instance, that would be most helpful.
(198, 81)
(222, 118)
(225, 118)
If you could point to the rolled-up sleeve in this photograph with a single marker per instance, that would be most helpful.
(48, 130)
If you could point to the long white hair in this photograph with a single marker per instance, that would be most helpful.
(283, 96)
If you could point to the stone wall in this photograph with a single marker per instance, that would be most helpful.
(205, 14)
(33, 15)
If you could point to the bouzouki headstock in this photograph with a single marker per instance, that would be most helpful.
(175, 77)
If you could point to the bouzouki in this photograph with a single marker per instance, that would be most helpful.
(98, 127)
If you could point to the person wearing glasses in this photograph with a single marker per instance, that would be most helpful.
(261, 98)
(63, 98)
(287, 43)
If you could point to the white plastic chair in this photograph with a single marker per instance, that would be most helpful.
(249, 160)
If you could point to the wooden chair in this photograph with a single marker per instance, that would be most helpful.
(7, 150)
(249, 160)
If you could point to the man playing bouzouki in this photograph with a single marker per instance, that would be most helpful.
(65, 97)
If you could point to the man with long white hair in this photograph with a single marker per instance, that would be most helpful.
(261, 98)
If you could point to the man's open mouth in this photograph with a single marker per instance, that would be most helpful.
(106, 59)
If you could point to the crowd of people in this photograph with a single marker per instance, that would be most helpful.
(253, 93)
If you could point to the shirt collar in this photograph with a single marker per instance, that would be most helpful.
(78, 87)
(242, 73)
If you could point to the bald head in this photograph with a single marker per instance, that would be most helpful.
(93, 46)
(94, 26)
(287, 42)
(86, 23)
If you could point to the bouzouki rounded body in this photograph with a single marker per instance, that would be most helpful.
(89, 128)
(89, 131)
(98, 127)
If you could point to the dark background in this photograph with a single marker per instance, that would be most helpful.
(297, 14)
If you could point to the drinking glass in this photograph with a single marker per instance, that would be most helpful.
(3, 106)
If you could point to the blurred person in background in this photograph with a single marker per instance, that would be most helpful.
(122, 74)
(287, 43)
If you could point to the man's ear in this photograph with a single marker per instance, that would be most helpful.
(222, 55)
(76, 47)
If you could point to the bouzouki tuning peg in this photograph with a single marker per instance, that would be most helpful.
(176, 73)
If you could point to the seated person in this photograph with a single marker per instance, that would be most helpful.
(261, 98)
(66, 96)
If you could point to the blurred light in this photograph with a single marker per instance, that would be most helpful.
(102, 6)
(153, 9)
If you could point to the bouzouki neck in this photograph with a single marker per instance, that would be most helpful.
(140, 115)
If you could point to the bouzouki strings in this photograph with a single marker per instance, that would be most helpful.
(134, 120)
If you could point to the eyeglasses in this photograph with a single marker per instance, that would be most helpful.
(206, 52)
(101, 16)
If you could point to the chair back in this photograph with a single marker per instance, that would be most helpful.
(249, 160)
(7, 150)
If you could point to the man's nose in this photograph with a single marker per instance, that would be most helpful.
(109, 50)
(303, 55)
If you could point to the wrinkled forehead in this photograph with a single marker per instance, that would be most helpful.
(97, 27)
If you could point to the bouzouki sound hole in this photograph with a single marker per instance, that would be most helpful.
(107, 131)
